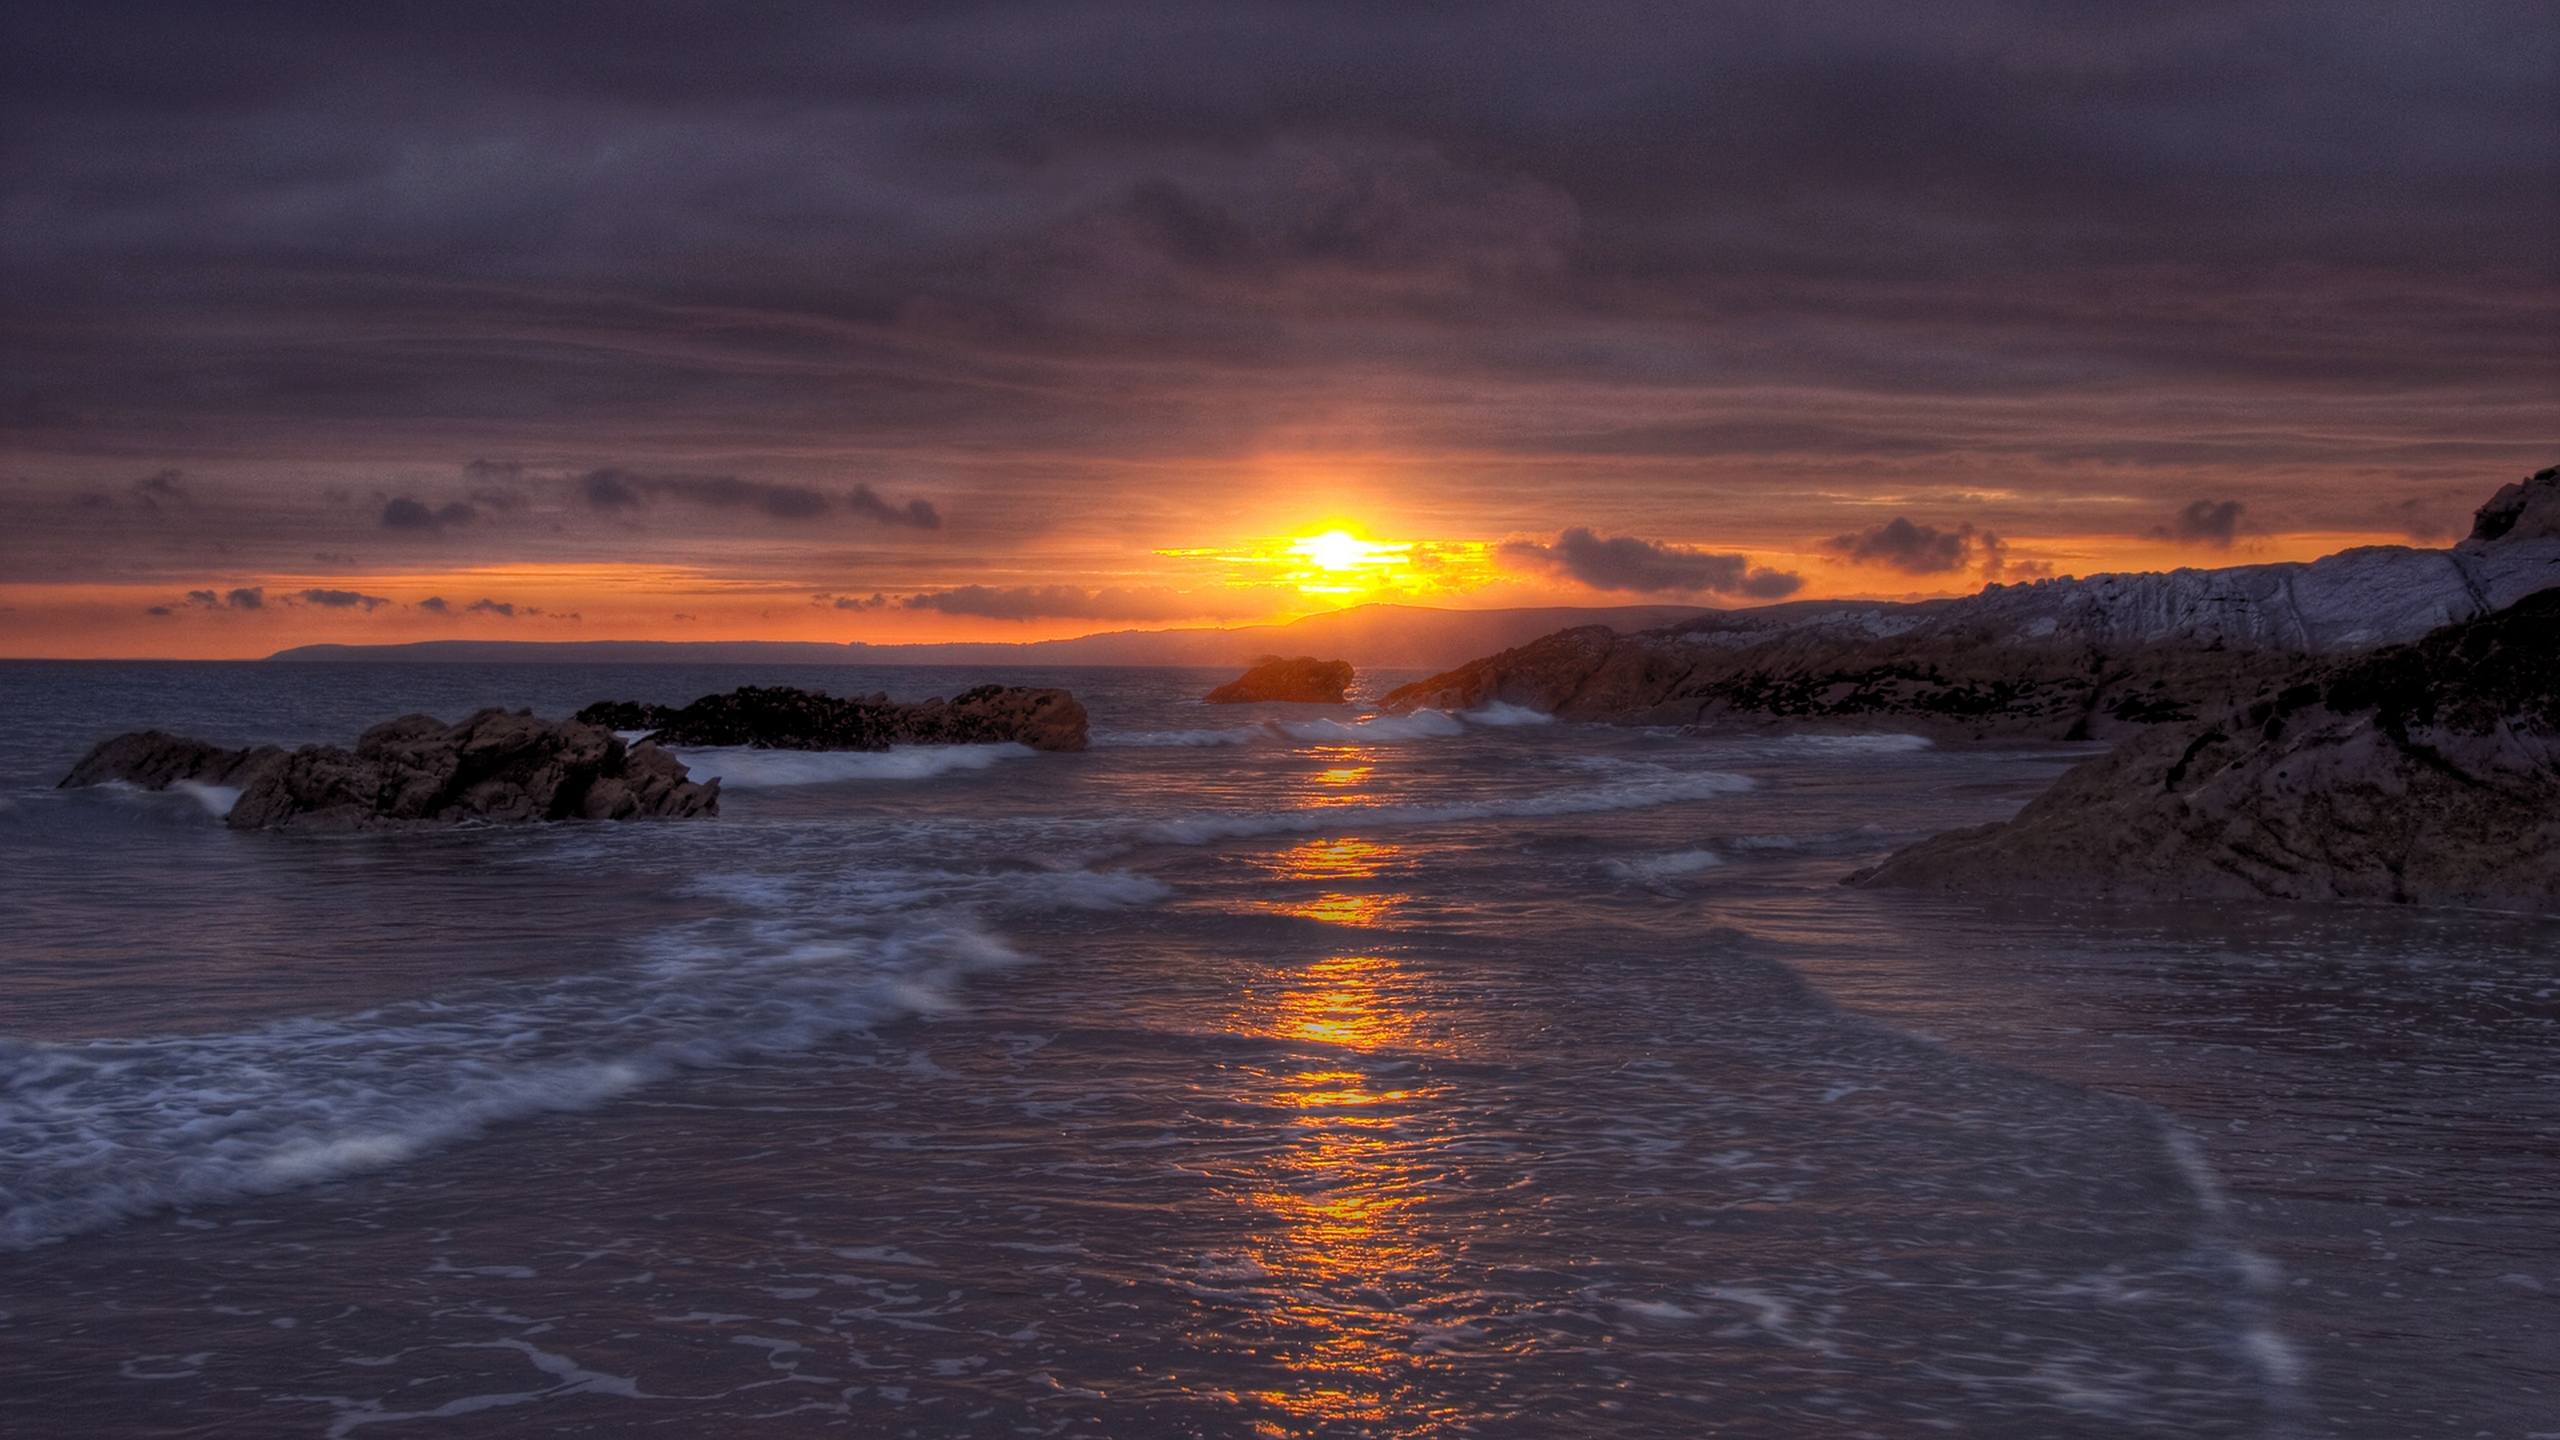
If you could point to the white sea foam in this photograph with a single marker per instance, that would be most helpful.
(1151, 739)
(1375, 729)
(217, 800)
(748, 769)
(2280, 1366)
(1863, 744)
(1503, 713)
(1324, 730)
(94, 1131)
(1650, 869)
(1585, 800)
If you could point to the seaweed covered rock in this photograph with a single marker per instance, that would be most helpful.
(784, 718)
(1292, 679)
(2426, 773)
(496, 766)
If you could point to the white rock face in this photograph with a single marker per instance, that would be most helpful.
(2354, 600)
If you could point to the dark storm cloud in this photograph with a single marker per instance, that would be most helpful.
(496, 609)
(341, 599)
(245, 597)
(2194, 234)
(1623, 562)
(161, 485)
(920, 514)
(404, 513)
(2204, 522)
(617, 490)
(1916, 549)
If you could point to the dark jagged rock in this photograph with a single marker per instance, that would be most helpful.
(783, 718)
(625, 715)
(495, 766)
(2527, 510)
(1294, 679)
(2090, 659)
(156, 760)
(2425, 773)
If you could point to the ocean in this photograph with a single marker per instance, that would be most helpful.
(1263, 1071)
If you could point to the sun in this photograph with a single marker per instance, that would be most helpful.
(1340, 551)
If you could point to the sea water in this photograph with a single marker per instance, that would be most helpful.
(1259, 1071)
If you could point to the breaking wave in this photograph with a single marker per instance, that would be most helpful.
(1653, 869)
(1151, 739)
(95, 1131)
(1503, 713)
(1862, 744)
(1323, 730)
(1590, 800)
(217, 800)
(1418, 725)
(746, 769)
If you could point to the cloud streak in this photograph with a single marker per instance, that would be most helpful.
(1917, 549)
(1625, 563)
(616, 490)
(2204, 522)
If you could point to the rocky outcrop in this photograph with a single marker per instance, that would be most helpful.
(2095, 658)
(783, 718)
(1294, 679)
(156, 760)
(495, 766)
(2425, 773)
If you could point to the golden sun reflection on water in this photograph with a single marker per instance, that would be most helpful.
(1336, 860)
(1337, 907)
(1346, 771)
(1340, 858)
(1343, 1192)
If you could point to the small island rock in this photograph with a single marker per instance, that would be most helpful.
(1293, 679)
(783, 718)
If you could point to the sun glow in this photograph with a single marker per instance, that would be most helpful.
(1340, 552)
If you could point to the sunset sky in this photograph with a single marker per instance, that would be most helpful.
(958, 321)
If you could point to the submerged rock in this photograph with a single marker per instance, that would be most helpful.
(2425, 773)
(1294, 679)
(2095, 658)
(783, 718)
(495, 766)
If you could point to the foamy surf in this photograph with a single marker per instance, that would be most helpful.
(1324, 730)
(1157, 739)
(1374, 729)
(217, 800)
(1654, 869)
(1862, 744)
(1589, 800)
(746, 769)
(93, 1132)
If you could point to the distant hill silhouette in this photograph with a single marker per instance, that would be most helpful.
(1390, 637)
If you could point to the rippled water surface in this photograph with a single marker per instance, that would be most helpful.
(1272, 1072)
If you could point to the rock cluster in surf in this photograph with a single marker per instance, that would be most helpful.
(2097, 658)
(1291, 679)
(784, 718)
(2427, 773)
(496, 766)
